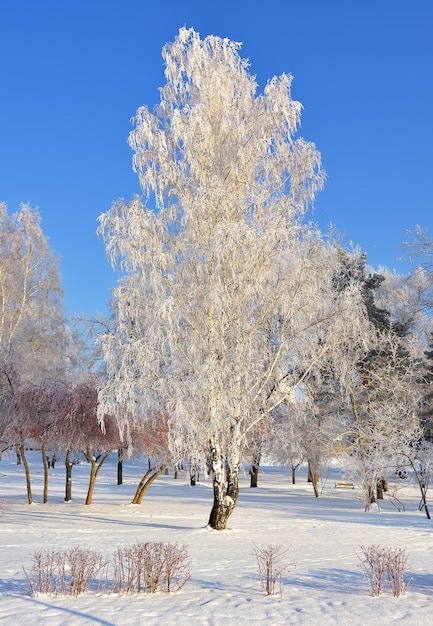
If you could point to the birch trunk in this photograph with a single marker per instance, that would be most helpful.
(225, 486)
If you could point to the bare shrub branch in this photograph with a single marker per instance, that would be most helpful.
(271, 567)
(151, 567)
(379, 564)
(66, 572)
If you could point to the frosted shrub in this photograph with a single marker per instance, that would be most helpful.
(397, 563)
(84, 566)
(384, 564)
(271, 567)
(151, 567)
(67, 572)
(44, 576)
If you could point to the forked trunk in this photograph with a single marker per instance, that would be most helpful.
(94, 471)
(151, 475)
(225, 487)
(22, 450)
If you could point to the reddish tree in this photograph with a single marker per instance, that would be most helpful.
(79, 430)
(31, 420)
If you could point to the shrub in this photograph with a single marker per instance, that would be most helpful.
(65, 572)
(151, 567)
(271, 567)
(384, 564)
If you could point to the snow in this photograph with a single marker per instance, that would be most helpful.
(322, 535)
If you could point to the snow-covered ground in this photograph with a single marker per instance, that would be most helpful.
(322, 536)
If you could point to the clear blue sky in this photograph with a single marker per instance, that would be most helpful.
(73, 73)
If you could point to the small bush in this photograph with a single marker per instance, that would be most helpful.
(151, 567)
(384, 564)
(271, 567)
(65, 572)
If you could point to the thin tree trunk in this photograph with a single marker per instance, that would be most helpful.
(293, 475)
(369, 492)
(254, 469)
(423, 489)
(314, 477)
(68, 487)
(26, 468)
(144, 484)
(94, 471)
(45, 466)
(193, 473)
(120, 466)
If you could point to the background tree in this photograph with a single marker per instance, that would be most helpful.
(283, 445)
(32, 330)
(221, 257)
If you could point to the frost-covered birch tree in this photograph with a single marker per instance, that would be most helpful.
(227, 300)
(31, 319)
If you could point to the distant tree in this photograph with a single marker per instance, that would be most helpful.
(219, 260)
(283, 446)
(78, 429)
(32, 329)
(32, 409)
(385, 424)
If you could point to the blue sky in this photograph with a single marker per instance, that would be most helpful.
(73, 73)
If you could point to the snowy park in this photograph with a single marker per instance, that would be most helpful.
(322, 538)
(244, 433)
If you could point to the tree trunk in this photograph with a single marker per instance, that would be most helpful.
(225, 486)
(151, 475)
(120, 466)
(254, 469)
(68, 487)
(45, 466)
(193, 473)
(94, 471)
(314, 477)
(293, 475)
(382, 486)
(423, 486)
(369, 492)
(22, 451)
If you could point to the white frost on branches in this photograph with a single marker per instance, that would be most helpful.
(228, 299)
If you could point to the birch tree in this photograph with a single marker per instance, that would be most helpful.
(227, 300)
(31, 320)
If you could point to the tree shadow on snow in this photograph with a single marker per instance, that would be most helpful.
(14, 586)
(334, 580)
